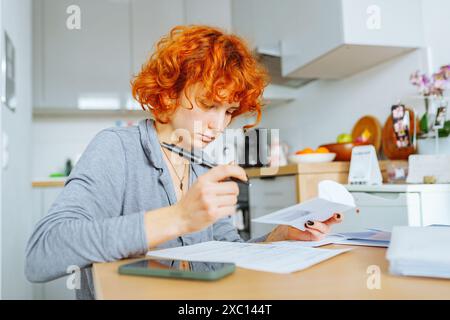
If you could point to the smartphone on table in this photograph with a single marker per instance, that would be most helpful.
(178, 269)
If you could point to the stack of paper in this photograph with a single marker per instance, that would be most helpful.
(274, 257)
(333, 198)
(420, 251)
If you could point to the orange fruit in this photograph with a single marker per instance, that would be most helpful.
(305, 151)
(322, 150)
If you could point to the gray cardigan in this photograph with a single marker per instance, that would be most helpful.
(98, 216)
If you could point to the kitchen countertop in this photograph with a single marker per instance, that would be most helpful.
(48, 182)
(311, 168)
(290, 169)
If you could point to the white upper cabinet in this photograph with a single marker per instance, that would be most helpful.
(91, 67)
(261, 23)
(152, 19)
(215, 13)
(87, 67)
(329, 39)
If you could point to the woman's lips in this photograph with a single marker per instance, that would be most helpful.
(206, 138)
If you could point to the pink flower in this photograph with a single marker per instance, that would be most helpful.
(439, 82)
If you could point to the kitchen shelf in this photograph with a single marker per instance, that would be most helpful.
(72, 112)
(275, 96)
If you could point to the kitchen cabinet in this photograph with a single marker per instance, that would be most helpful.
(82, 68)
(261, 23)
(91, 67)
(209, 12)
(43, 198)
(322, 39)
(151, 20)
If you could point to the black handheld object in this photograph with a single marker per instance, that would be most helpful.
(196, 159)
(243, 185)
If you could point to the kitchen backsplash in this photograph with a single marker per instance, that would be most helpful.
(56, 139)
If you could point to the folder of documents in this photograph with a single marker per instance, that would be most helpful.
(368, 238)
(420, 251)
(273, 257)
(333, 198)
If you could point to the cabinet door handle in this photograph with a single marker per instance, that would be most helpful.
(268, 177)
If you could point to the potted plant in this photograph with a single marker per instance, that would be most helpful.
(432, 89)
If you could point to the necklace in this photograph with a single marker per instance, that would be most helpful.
(176, 173)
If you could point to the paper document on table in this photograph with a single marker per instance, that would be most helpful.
(273, 257)
(333, 198)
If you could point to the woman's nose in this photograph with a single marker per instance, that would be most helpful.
(217, 123)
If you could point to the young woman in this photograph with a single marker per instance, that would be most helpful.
(127, 195)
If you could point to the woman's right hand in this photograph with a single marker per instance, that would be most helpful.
(210, 198)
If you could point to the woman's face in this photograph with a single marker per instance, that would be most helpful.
(203, 121)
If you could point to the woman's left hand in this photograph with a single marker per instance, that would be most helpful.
(314, 230)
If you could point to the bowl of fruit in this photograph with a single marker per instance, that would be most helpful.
(309, 155)
(367, 130)
(345, 144)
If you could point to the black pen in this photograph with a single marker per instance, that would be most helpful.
(196, 159)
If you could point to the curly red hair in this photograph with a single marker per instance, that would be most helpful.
(192, 54)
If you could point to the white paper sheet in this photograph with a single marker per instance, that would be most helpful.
(277, 258)
(335, 192)
(333, 198)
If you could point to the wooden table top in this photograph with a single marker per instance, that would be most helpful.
(342, 277)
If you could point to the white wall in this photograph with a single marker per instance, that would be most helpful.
(16, 178)
(55, 139)
(325, 109)
(437, 29)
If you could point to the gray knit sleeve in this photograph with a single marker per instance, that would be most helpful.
(85, 224)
